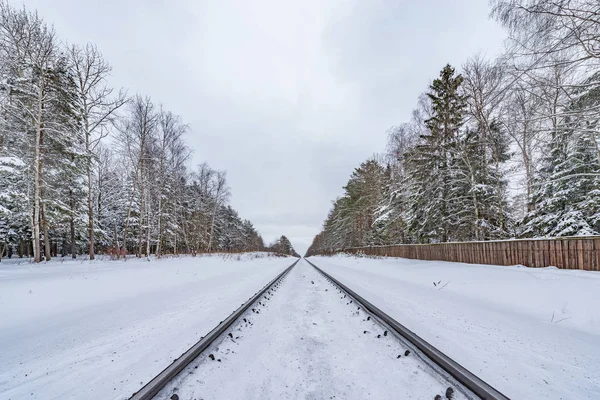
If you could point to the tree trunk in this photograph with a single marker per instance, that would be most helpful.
(90, 213)
(184, 233)
(63, 247)
(37, 166)
(159, 240)
(141, 221)
(126, 229)
(500, 205)
(72, 224)
(476, 209)
(175, 243)
(45, 229)
(528, 173)
(148, 237)
(444, 221)
(116, 240)
(212, 227)
(90, 188)
(142, 206)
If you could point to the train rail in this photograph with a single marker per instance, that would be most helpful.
(153, 387)
(457, 371)
(434, 361)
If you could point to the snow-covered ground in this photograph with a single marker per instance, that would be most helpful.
(531, 333)
(307, 342)
(102, 329)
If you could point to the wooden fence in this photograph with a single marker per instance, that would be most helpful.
(566, 253)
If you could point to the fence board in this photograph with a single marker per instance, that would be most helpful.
(567, 253)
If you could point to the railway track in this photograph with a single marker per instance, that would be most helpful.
(307, 342)
(430, 353)
(151, 389)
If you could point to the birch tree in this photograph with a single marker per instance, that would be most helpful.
(171, 158)
(220, 194)
(35, 86)
(97, 106)
(135, 136)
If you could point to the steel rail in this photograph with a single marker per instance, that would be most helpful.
(457, 371)
(153, 387)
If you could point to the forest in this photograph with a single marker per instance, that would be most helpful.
(87, 168)
(496, 149)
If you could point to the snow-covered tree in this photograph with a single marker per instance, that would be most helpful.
(38, 104)
(433, 201)
(77, 177)
(283, 246)
(566, 197)
(96, 108)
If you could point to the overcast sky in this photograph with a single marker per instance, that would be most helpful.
(288, 97)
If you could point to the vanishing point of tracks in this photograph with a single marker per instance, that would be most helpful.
(309, 323)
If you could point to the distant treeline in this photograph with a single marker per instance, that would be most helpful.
(499, 149)
(84, 167)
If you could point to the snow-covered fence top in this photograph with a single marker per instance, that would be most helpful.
(568, 252)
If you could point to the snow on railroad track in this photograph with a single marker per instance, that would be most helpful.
(101, 330)
(307, 341)
(499, 322)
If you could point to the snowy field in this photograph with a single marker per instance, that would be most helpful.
(102, 329)
(307, 342)
(530, 333)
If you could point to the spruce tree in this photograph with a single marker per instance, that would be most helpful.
(498, 220)
(364, 193)
(565, 201)
(432, 199)
(479, 186)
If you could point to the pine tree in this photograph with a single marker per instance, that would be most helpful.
(432, 200)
